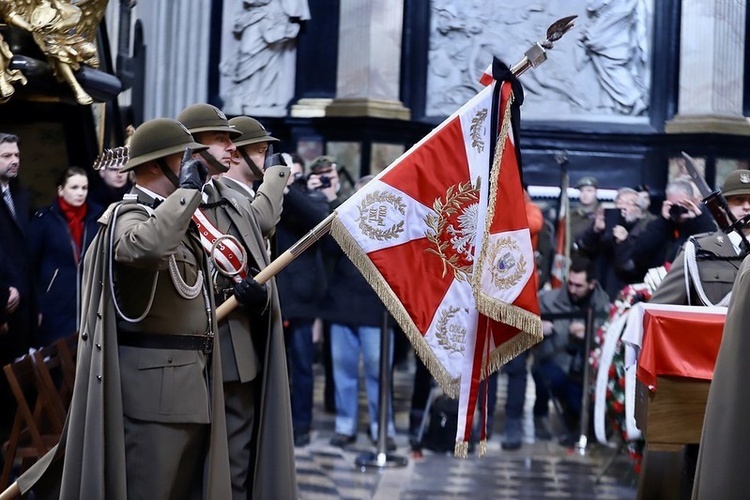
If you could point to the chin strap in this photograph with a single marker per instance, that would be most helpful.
(168, 172)
(210, 160)
(250, 163)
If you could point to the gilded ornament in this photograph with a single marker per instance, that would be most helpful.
(64, 31)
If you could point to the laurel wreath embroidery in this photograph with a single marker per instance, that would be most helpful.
(477, 124)
(455, 198)
(505, 282)
(442, 331)
(380, 197)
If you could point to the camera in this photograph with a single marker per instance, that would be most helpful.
(676, 212)
(325, 182)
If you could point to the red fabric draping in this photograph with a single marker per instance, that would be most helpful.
(679, 344)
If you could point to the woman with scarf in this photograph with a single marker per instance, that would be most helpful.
(59, 235)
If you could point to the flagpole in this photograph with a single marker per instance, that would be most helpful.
(280, 262)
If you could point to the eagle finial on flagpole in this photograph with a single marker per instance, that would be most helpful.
(537, 53)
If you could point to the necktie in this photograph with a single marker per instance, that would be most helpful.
(9, 202)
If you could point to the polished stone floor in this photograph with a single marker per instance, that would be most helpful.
(538, 470)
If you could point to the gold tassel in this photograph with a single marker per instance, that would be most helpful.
(461, 450)
(482, 448)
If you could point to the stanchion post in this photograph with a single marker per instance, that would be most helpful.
(381, 457)
(585, 397)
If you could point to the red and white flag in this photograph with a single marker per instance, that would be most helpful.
(561, 261)
(442, 237)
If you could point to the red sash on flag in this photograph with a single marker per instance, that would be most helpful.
(224, 252)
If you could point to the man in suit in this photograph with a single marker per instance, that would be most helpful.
(14, 224)
(256, 383)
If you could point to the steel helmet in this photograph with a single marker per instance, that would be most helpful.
(737, 183)
(252, 131)
(206, 118)
(159, 138)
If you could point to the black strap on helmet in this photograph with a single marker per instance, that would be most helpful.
(168, 172)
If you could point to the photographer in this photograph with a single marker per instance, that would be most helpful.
(324, 178)
(612, 241)
(682, 215)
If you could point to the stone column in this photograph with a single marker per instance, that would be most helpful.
(177, 40)
(712, 45)
(369, 63)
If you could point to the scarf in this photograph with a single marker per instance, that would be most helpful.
(74, 216)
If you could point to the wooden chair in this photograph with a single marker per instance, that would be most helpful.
(67, 348)
(31, 435)
(50, 385)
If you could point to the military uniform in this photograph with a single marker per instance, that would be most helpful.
(723, 459)
(256, 385)
(717, 263)
(146, 417)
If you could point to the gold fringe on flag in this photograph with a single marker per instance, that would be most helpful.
(461, 450)
(352, 249)
(529, 323)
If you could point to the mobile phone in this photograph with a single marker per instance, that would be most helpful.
(613, 217)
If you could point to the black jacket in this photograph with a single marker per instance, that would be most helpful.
(303, 282)
(57, 269)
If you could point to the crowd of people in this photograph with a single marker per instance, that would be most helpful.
(204, 375)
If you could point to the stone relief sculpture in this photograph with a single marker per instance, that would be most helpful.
(262, 68)
(465, 34)
(615, 42)
(63, 30)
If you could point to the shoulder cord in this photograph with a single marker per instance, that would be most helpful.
(691, 274)
(112, 277)
(186, 291)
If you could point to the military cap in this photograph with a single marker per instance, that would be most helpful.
(321, 162)
(159, 138)
(587, 181)
(737, 183)
(206, 118)
(252, 131)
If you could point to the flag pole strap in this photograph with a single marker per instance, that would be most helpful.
(280, 262)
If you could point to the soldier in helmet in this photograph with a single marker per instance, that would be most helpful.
(146, 419)
(704, 274)
(710, 260)
(252, 148)
(583, 215)
(256, 384)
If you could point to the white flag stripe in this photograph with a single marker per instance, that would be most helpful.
(515, 284)
(455, 319)
(411, 224)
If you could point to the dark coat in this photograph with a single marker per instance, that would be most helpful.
(57, 266)
(350, 299)
(302, 283)
(662, 238)
(5, 273)
(14, 240)
(617, 263)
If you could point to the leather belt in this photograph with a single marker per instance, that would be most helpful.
(204, 343)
